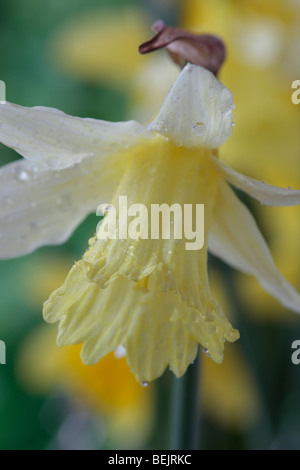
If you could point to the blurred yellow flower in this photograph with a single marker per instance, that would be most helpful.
(107, 388)
(101, 47)
(229, 393)
(75, 49)
(40, 282)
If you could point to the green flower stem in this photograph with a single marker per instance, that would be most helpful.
(185, 413)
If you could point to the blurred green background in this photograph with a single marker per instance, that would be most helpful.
(69, 54)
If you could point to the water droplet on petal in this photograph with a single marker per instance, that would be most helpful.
(53, 162)
(144, 384)
(64, 202)
(206, 352)
(22, 175)
(161, 127)
(199, 129)
(33, 225)
(120, 352)
(130, 250)
(104, 210)
(92, 241)
(175, 99)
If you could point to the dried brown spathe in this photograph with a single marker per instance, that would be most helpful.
(183, 47)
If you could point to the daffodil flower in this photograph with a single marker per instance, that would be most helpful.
(150, 296)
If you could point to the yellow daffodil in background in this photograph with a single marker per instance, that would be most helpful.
(229, 392)
(40, 282)
(107, 389)
(150, 296)
(113, 61)
(74, 50)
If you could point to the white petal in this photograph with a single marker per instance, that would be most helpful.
(197, 111)
(55, 140)
(264, 193)
(41, 207)
(235, 238)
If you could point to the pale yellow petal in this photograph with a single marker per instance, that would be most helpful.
(235, 238)
(264, 193)
(41, 207)
(169, 332)
(88, 313)
(123, 288)
(156, 328)
(56, 140)
(174, 176)
(157, 341)
(197, 112)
